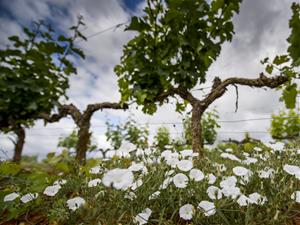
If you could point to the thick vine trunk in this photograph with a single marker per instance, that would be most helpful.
(20, 132)
(83, 141)
(197, 141)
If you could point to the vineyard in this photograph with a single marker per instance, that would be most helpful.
(180, 172)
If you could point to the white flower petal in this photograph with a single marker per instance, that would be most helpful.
(52, 190)
(185, 165)
(291, 169)
(154, 195)
(180, 180)
(10, 197)
(196, 175)
(228, 182)
(240, 171)
(208, 208)
(75, 203)
(296, 196)
(142, 218)
(94, 183)
(214, 192)
(29, 197)
(120, 179)
(243, 200)
(186, 212)
(96, 170)
(211, 178)
(257, 199)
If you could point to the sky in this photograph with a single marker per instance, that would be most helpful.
(261, 30)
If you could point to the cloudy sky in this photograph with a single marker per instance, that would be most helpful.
(261, 30)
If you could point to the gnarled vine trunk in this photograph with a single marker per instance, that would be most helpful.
(197, 141)
(20, 132)
(84, 136)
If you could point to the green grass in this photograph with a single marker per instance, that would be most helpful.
(107, 205)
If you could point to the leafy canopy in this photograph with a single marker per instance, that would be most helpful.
(294, 38)
(176, 42)
(34, 73)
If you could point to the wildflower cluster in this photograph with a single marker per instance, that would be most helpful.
(144, 186)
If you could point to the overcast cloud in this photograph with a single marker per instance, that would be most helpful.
(261, 31)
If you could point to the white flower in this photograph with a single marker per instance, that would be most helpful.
(148, 151)
(257, 199)
(249, 160)
(75, 203)
(208, 208)
(211, 178)
(180, 180)
(257, 149)
(231, 191)
(96, 170)
(170, 157)
(266, 173)
(60, 182)
(278, 146)
(186, 153)
(29, 197)
(196, 175)
(296, 196)
(94, 183)
(10, 197)
(232, 157)
(154, 195)
(120, 179)
(166, 183)
(166, 154)
(52, 190)
(142, 218)
(185, 165)
(136, 166)
(243, 200)
(131, 195)
(228, 182)
(291, 169)
(169, 173)
(228, 150)
(214, 192)
(186, 212)
(240, 171)
(172, 161)
(136, 184)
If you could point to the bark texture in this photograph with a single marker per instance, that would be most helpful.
(197, 142)
(19, 144)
